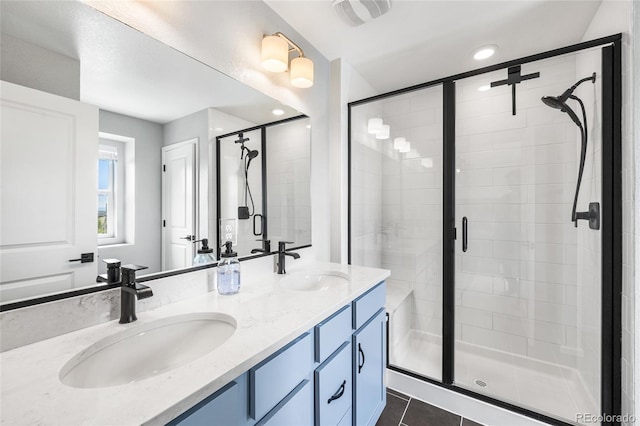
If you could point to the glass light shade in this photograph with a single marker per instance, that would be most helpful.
(406, 148)
(399, 143)
(384, 132)
(302, 72)
(374, 125)
(275, 54)
(427, 162)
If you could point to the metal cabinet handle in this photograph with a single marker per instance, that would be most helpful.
(360, 352)
(465, 242)
(339, 393)
(84, 258)
(256, 233)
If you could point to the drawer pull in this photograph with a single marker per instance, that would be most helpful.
(360, 352)
(339, 393)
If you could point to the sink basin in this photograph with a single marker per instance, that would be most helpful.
(314, 280)
(147, 350)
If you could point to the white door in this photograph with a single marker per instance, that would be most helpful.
(178, 204)
(48, 204)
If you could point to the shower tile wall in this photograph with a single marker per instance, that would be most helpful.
(519, 288)
(366, 188)
(288, 195)
(412, 204)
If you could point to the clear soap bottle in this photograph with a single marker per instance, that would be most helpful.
(228, 271)
(205, 254)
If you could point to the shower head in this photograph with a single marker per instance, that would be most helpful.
(560, 102)
(251, 154)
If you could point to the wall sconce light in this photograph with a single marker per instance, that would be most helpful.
(384, 132)
(399, 143)
(275, 58)
(374, 125)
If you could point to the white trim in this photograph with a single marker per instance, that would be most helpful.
(465, 406)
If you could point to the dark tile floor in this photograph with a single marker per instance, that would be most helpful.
(402, 410)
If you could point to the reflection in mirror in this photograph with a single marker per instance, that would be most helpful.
(150, 166)
(264, 176)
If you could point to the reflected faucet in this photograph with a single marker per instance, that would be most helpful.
(130, 291)
(282, 254)
(113, 272)
(266, 247)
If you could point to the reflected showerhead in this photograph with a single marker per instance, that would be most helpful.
(560, 102)
(251, 154)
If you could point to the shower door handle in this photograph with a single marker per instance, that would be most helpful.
(464, 234)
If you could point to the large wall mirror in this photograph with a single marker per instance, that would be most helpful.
(166, 171)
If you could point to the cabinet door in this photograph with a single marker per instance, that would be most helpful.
(369, 362)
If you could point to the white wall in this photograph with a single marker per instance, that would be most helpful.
(39, 68)
(227, 35)
(346, 85)
(146, 248)
(623, 17)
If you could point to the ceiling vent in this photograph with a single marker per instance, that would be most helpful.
(358, 12)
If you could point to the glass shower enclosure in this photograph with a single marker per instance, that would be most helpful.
(465, 190)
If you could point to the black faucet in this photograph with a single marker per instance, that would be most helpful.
(281, 255)
(113, 272)
(266, 247)
(130, 291)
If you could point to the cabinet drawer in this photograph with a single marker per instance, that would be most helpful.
(296, 409)
(332, 332)
(333, 385)
(365, 306)
(267, 383)
(225, 407)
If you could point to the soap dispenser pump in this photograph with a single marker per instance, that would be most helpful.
(205, 254)
(228, 271)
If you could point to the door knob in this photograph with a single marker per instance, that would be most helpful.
(188, 238)
(84, 258)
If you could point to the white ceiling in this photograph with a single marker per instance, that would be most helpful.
(418, 41)
(125, 71)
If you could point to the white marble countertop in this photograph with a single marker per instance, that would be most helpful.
(268, 317)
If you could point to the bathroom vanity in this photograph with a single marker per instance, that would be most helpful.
(308, 348)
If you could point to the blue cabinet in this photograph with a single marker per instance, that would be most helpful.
(333, 387)
(294, 410)
(332, 375)
(369, 362)
(228, 406)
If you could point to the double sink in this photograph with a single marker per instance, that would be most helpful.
(147, 350)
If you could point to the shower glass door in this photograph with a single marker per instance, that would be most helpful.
(396, 218)
(527, 281)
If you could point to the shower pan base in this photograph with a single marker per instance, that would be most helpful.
(523, 381)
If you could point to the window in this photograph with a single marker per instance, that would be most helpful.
(107, 169)
(115, 183)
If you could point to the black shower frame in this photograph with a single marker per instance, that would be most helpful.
(263, 147)
(611, 310)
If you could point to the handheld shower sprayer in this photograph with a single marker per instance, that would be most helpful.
(560, 102)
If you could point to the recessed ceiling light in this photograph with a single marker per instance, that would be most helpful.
(218, 129)
(484, 88)
(277, 111)
(484, 52)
